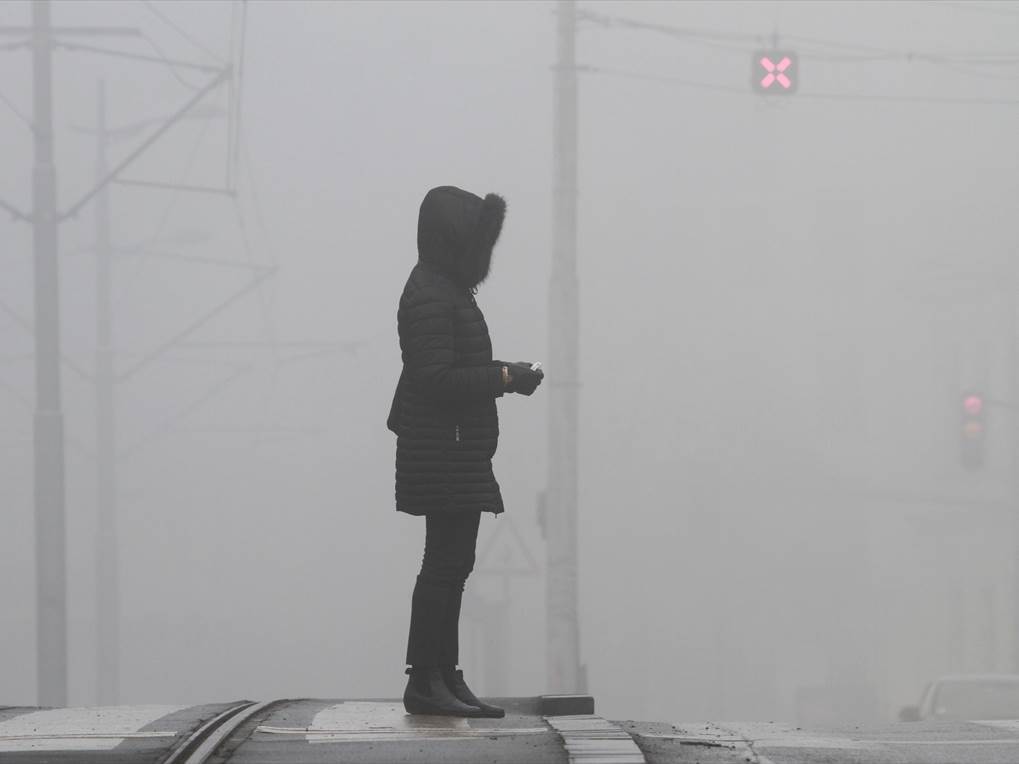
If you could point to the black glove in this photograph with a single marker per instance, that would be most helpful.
(523, 379)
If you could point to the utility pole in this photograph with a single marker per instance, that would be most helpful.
(1012, 335)
(107, 585)
(564, 673)
(50, 541)
(41, 38)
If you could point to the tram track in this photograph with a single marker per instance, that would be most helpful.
(210, 737)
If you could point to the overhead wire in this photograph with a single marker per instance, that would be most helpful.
(235, 59)
(966, 63)
(985, 58)
(976, 7)
(632, 75)
(236, 136)
(666, 29)
(256, 202)
(134, 275)
(700, 85)
(711, 39)
(866, 52)
(964, 70)
(16, 111)
(183, 33)
(944, 100)
(235, 147)
(170, 65)
(758, 38)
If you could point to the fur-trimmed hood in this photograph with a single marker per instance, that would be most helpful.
(457, 231)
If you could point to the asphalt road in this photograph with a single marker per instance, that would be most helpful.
(112, 735)
(773, 743)
(379, 732)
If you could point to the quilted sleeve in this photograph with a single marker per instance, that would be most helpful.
(429, 354)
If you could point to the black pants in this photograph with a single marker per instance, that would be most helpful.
(450, 541)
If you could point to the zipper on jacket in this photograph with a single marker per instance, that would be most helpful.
(458, 433)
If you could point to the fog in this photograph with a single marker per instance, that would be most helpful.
(782, 302)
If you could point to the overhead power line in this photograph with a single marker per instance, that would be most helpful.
(733, 90)
(151, 8)
(994, 8)
(824, 49)
(170, 64)
(15, 110)
(661, 78)
(74, 46)
(667, 29)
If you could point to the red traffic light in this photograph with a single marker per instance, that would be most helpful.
(972, 431)
(973, 404)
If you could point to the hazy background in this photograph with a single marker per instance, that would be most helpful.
(781, 302)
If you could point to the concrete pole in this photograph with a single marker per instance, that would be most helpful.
(1012, 417)
(107, 583)
(563, 640)
(50, 542)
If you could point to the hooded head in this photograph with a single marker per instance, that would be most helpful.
(457, 231)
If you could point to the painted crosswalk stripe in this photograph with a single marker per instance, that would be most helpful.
(1012, 725)
(590, 739)
(82, 729)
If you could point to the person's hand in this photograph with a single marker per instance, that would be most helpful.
(523, 379)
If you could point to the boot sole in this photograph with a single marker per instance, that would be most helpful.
(492, 714)
(421, 708)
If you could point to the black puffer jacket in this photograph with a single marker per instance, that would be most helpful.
(444, 412)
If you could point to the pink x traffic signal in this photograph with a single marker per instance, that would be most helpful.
(775, 72)
(973, 430)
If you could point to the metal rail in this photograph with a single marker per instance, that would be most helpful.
(203, 743)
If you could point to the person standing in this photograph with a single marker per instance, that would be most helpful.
(447, 426)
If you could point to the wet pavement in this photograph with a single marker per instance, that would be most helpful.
(373, 731)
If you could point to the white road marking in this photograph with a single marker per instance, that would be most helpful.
(367, 721)
(751, 738)
(589, 738)
(772, 735)
(981, 741)
(1004, 724)
(81, 729)
(1009, 725)
(764, 735)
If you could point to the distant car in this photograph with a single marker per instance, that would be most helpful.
(967, 697)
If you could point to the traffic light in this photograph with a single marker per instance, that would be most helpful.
(775, 72)
(973, 430)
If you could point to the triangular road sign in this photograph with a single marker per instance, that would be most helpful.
(506, 553)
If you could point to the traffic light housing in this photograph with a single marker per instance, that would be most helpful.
(775, 72)
(972, 429)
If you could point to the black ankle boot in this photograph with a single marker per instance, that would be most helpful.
(428, 694)
(454, 679)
